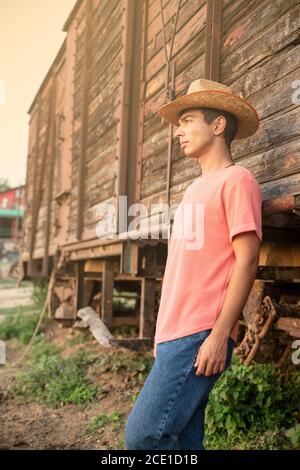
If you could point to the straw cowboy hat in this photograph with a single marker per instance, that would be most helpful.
(209, 94)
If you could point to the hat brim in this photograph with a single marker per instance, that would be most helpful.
(247, 117)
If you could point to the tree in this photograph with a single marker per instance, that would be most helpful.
(4, 185)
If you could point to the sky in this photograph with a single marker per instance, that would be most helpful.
(30, 37)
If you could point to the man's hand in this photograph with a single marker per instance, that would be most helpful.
(211, 357)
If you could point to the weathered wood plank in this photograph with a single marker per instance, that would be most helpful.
(155, 34)
(278, 162)
(276, 130)
(265, 73)
(189, 63)
(252, 22)
(191, 29)
(235, 11)
(268, 41)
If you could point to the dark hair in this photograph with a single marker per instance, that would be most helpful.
(231, 122)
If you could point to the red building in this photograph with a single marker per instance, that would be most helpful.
(12, 203)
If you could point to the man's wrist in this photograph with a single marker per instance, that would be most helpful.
(219, 333)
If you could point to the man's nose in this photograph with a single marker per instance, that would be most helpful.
(178, 132)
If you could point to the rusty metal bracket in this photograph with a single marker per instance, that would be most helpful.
(257, 330)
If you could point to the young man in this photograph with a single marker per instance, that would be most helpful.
(211, 265)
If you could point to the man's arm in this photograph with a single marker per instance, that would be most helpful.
(212, 354)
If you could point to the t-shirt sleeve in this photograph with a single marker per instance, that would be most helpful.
(243, 206)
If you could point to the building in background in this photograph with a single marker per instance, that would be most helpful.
(12, 202)
(11, 213)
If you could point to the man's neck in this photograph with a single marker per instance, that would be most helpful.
(214, 161)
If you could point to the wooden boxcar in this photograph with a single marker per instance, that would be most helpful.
(95, 136)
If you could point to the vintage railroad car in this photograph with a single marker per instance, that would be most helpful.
(94, 136)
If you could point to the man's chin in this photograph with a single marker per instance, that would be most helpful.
(190, 155)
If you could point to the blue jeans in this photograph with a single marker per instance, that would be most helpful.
(169, 412)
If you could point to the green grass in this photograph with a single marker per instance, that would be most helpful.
(251, 440)
(21, 321)
(136, 363)
(47, 377)
(53, 380)
(101, 420)
(40, 286)
(41, 349)
(254, 407)
(19, 326)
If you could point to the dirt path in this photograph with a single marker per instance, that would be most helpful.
(36, 426)
(15, 296)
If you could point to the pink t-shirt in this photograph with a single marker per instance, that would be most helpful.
(200, 261)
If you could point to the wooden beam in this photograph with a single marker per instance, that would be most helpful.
(278, 273)
(79, 297)
(147, 312)
(37, 195)
(50, 180)
(284, 203)
(34, 184)
(129, 258)
(291, 325)
(170, 134)
(107, 294)
(142, 100)
(135, 103)
(84, 120)
(213, 40)
(125, 124)
(126, 321)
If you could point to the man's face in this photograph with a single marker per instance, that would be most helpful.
(194, 134)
